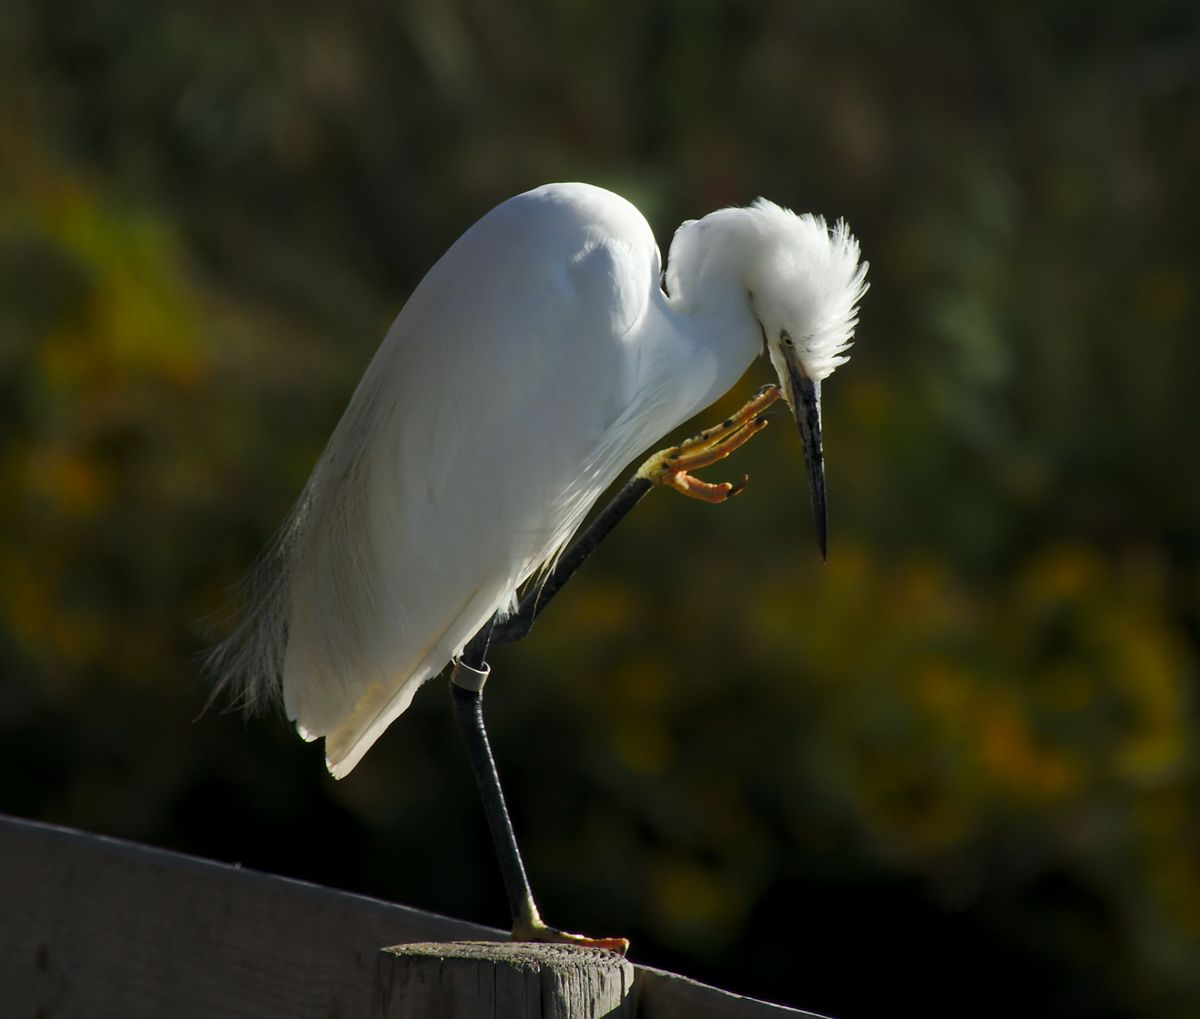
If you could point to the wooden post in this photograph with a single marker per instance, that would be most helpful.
(96, 928)
(486, 980)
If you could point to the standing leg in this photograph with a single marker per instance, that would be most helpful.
(669, 467)
(466, 687)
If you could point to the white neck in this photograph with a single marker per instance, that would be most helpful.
(710, 302)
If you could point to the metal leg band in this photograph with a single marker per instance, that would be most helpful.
(469, 678)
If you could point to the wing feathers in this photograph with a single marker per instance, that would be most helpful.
(482, 432)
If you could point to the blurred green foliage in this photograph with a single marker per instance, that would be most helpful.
(954, 769)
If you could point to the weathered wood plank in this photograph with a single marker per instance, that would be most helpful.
(662, 995)
(96, 927)
(481, 980)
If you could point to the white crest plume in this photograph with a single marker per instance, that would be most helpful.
(807, 277)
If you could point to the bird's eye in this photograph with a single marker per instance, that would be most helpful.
(784, 338)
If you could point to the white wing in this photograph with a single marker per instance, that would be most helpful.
(493, 415)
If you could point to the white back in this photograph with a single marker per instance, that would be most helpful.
(480, 435)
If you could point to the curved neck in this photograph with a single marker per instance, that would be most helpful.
(710, 301)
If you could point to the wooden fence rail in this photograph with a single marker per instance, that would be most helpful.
(93, 926)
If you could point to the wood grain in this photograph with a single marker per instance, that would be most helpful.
(95, 927)
(481, 980)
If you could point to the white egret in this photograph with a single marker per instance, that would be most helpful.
(538, 357)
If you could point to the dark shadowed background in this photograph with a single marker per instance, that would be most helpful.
(954, 769)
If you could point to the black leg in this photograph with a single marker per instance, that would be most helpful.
(466, 687)
(536, 598)
(475, 653)
(468, 711)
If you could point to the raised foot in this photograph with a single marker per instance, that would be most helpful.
(543, 933)
(671, 467)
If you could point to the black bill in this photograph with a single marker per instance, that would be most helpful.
(806, 405)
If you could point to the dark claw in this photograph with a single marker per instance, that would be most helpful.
(736, 488)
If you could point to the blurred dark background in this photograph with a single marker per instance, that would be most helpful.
(955, 770)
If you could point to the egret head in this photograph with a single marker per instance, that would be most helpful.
(805, 281)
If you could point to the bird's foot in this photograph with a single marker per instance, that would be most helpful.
(542, 933)
(671, 467)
